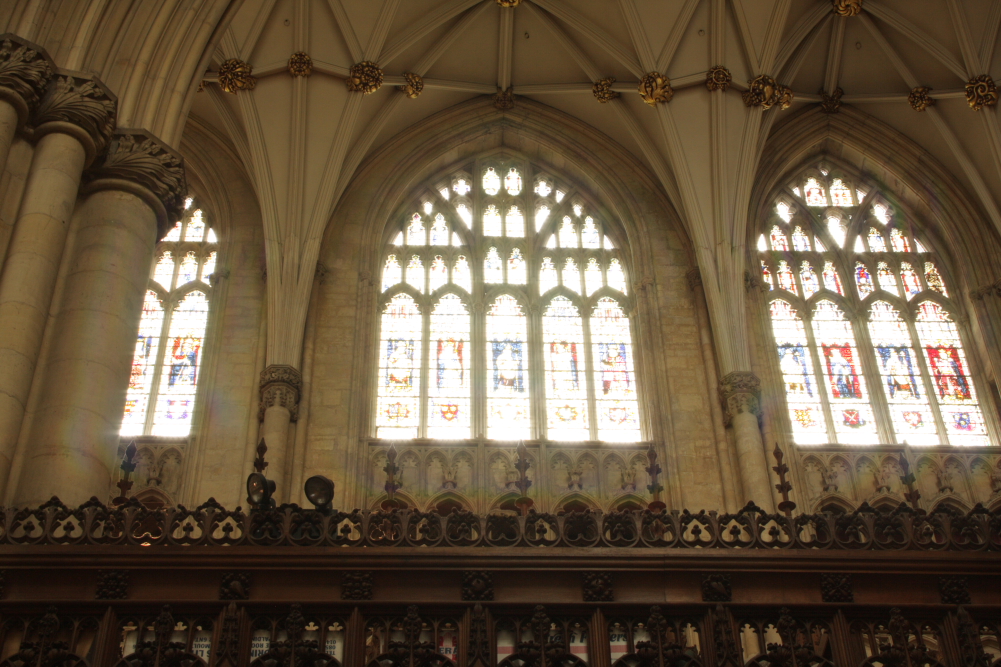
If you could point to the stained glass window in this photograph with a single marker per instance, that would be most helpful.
(447, 364)
(800, 241)
(934, 279)
(832, 280)
(854, 420)
(838, 230)
(899, 241)
(170, 343)
(887, 281)
(815, 195)
(802, 396)
(786, 279)
(808, 277)
(863, 280)
(779, 240)
(876, 241)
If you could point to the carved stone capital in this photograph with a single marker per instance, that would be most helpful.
(280, 386)
(25, 69)
(763, 91)
(79, 105)
(365, 78)
(740, 392)
(990, 289)
(981, 91)
(718, 78)
(655, 87)
(920, 98)
(603, 90)
(139, 162)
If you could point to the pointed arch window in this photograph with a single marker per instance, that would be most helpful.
(168, 357)
(879, 360)
(519, 328)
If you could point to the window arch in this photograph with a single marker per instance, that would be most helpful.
(168, 355)
(504, 312)
(866, 333)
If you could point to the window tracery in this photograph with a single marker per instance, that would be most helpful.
(888, 354)
(531, 279)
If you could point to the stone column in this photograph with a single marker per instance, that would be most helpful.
(740, 393)
(24, 70)
(281, 387)
(72, 124)
(130, 197)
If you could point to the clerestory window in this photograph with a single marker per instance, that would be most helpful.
(865, 327)
(504, 312)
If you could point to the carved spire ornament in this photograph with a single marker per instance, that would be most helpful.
(718, 78)
(504, 99)
(603, 90)
(414, 85)
(763, 91)
(920, 98)
(82, 102)
(847, 7)
(236, 75)
(300, 64)
(281, 386)
(981, 92)
(24, 72)
(365, 78)
(654, 88)
(831, 103)
(740, 392)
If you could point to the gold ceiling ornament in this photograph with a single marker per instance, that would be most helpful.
(831, 103)
(603, 90)
(763, 91)
(654, 88)
(365, 77)
(300, 64)
(847, 7)
(504, 99)
(508, 3)
(413, 86)
(920, 98)
(718, 78)
(981, 92)
(234, 75)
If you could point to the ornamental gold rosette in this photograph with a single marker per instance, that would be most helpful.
(236, 75)
(831, 103)
(981, 92)
(300, 64)
(365, 78)
(763, 91)
(718, 78)
(655, 87)
(414, 85)
(847, 7)
(920, 98)
(603, 90)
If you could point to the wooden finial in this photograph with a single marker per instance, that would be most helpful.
(655, 487)
(392, 486)
(908, 479)
(784, 486)
(522, 464)
(259, 463)
(128, 466)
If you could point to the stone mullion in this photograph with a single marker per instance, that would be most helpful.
(874, 381)
(590, 372)
(821, 379)
(987, 401)
(536, 372)
(161, 353)
(927, 382)
(424, 399)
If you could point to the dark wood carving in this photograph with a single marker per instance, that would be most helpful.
(479, 639)
(837, 587)
(717, 588)
(227, 651)
(161, 652)
(412, 652)
(112, 585)
(235, 586)
(294, 651)
(795, 650)
(597, 587)
(661, 649)
(477, 586)
(45, 650)
(954, 590)
(970, 644)
(543, 649)
(357, 586)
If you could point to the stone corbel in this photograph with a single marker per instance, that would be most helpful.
(25, 70)
(79, 105)
(280, 386)
(740, 392)
(138, 162)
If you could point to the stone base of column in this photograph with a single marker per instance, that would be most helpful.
(740, 393)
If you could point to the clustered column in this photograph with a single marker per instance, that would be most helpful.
(24, 70)
(281, 387)
(740, 393)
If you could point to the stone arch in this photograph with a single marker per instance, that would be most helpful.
(627, 501)
(953, 502)
(575, 502)
(154, 498)
(834, 502)
(446, 501)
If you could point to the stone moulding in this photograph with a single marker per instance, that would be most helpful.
(280, 386)
(210, 524)
(25, 69)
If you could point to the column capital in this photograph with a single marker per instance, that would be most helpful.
(80, 105)
(25, 70)
(740, 392)
(280, 386)
(138, 162)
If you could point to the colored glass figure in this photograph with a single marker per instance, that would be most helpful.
(398, 413)
(786, 279)
(590, 237)
(920, 246)
(887, 281)
(439, 230)
(493, 267)
(800, 241)
(392, 273)
(571, 275)
(898, 241)
(815, 195)
(517, 271)
(428, 208)
(819, 245)
(512, 182)
(461, 187)
(491, 181)
(616, 276)
(541, 215)
(837, 229)
(415, 273)
(841, 194)
(543, 187)
(934, 279)
(808, 277)
(779, 240)
(559, 196)
(912, 284)
(415, 231)
(614, 382)
(189, 269)
(876, 241)
(784, 211)
(881, 213)
(465, 213)
(195, 229)
(566, 392)
(492, 221)
(568, 235)
(181, 361)
(508, 414)
(438, 273)
(900, 376)
(578, 210)
(592, 276)
(762, 244)
(448, 373)
(175, 233)
(547, 275)
(398, 239)
(954, 390)
(143, 366)
(163, 271)
(832, 280)
(208, 268)
(853, 417)
(461, 275)
(802, 400)
(514, 223)
(767, 275)
(863, 280)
